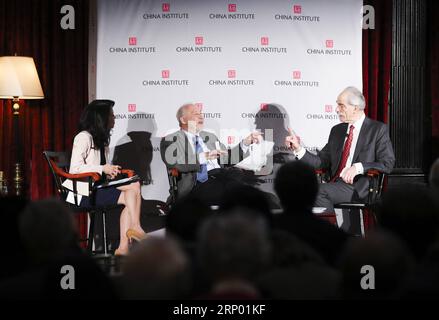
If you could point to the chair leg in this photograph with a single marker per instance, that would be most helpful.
(91, 232)
(362, 222)
(104, 231)
(372, 218)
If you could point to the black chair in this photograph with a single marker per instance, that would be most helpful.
(173, 177)
(59, 163)
(367, 208)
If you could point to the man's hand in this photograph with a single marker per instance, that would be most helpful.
(348, 175)
(214, 154)
(254, 137)
(292, 141)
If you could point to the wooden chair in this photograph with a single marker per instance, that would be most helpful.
(173, 176)
(368, 206)
(59, 163)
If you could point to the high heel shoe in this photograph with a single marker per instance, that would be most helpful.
(135, 235)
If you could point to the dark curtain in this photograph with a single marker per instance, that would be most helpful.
(32, 28)
(433, 72)
(377, 61)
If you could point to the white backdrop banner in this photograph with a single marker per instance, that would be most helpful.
(249, 65)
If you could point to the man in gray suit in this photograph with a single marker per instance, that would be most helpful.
(196, 153)
(354, 146)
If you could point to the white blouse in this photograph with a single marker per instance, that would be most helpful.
(84, 159)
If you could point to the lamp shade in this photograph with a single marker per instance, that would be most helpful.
(19, 78)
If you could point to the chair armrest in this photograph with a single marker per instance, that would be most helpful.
(128, 172)
(78, 176)
(321, 175)
(376, 181)
(173, 175)
(174, 172)
(373, 173)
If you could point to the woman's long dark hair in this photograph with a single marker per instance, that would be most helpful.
(94, 119)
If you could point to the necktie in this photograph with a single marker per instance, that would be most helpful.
(345, 155)
(201, 175)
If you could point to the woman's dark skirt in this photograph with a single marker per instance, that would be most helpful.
(104, 197)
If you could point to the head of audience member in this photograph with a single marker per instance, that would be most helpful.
(47, 229)
(185, 218)
(411, 213)
(233, 250)
(247, 197)
(297, 272)
(291, 251)
(296, 186)
(98, 120)
(350, 105)
(424, 283)
(14, 254)
(156, 269)
(190, 118)
(375, 267)
(434, 177)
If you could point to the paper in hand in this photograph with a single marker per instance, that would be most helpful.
(258, 156)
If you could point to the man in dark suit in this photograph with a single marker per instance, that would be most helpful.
(198, 154)
(354, 146)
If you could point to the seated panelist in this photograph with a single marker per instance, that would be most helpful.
(196, 153)
(90, 154)
(354, 146)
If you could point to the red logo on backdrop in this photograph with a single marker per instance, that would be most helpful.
(264, 41)
(297, 9)
(199, 106)
(232, 7)
(132, 107)
(328, 108)
(329, 43)
(297, 74)
(231, 73)
(132, 41)
(264, 106)
(166, 7)
(199, 40)
(230, 139)
(165, 74)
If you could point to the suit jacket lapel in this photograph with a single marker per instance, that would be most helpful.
(208, 140)
(189, 152)
(361, 139)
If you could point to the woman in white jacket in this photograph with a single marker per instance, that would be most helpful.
(90, 153)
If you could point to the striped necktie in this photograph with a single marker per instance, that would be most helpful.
(201, 175)
(345, 155)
